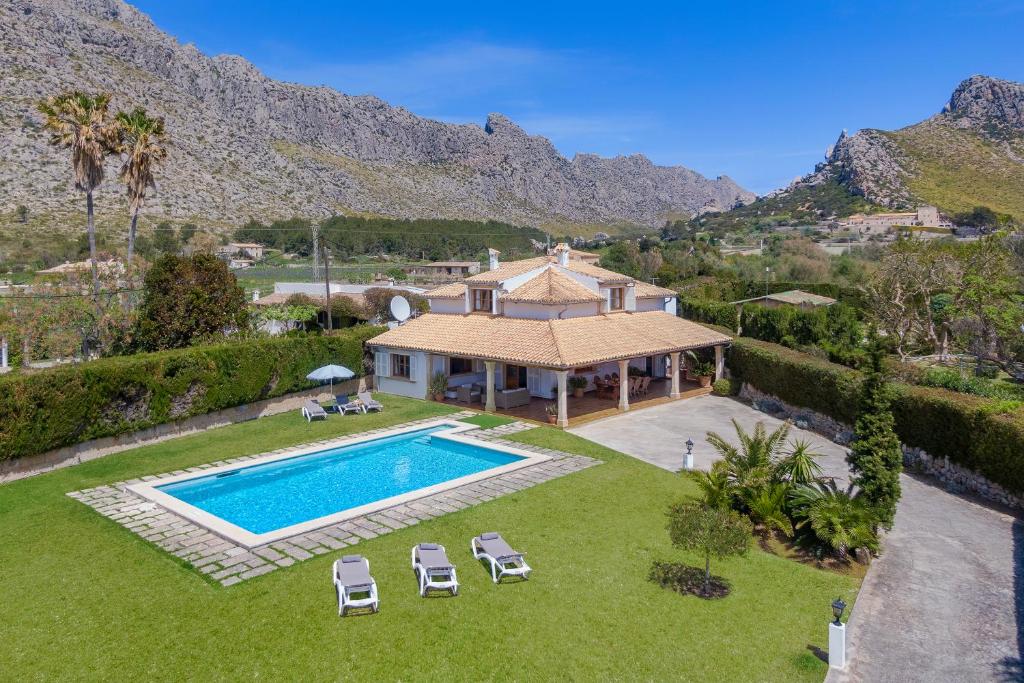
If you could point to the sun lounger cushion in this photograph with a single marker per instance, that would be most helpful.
(434, 558)
(428, 546)
(497, 548)
(489, 535)
(354, 574)
(352, 558)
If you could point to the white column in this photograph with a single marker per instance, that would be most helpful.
(719, 362)
(674, 370)
(624, 385)
(489, 405)
(837, 645)
(563, 403)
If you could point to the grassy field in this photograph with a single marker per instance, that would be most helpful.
(959, 169)
(85, 599)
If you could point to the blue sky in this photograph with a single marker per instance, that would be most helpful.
(755, 90)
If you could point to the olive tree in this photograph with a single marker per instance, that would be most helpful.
(710, 531)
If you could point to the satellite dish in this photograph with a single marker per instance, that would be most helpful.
(400, 308)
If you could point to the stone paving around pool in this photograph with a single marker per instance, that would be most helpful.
(229, 563)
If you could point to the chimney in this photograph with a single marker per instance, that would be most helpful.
(492, 255)
(562, 251)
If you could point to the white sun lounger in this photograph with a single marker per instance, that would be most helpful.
(503, 559)
(311, 410)
(433, 569)
(369, 403)
(351, 575)
(345, 405)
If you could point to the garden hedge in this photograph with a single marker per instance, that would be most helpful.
(971, 431)
(713, 312)
(62, 406)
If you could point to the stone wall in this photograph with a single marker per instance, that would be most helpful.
(97, 448)
(953, 477)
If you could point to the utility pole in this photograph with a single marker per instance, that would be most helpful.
(327, 281)
(316, 252)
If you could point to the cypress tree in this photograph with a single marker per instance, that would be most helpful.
(875, 457)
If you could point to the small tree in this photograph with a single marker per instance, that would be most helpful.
(875, 457)
(189, 299)
(22, 213)
(713, 532)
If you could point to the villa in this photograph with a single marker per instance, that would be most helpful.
(518, 332)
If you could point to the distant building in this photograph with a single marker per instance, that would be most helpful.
(440, 271)
(111, 267)
(928, 216)
(249, 250)
(577, 255)
(794, 297)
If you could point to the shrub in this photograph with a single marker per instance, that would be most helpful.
(713, 312)
(62, 406)
(980, 434)
(723, 387)
(796, 378)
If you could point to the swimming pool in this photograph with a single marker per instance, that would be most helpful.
(275, 496)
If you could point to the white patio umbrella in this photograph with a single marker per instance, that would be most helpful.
(330, 372)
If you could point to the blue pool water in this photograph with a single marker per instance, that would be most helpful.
(262, 498)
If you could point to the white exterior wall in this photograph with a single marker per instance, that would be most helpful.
(657, 304)
(448, 305)
(415, 386)
(549, 312)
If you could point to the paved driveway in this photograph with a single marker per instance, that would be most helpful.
(944, 602)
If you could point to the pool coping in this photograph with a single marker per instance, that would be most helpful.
(149, 490)
(226, 563)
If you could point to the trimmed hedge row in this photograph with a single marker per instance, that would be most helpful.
(969, 430)
(713, 312)
(796, 378)
(62, 406)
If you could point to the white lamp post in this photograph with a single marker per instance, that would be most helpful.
(688, 458)
(837, 636)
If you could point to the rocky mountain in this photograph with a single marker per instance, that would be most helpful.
(969, 154)
(244, 145)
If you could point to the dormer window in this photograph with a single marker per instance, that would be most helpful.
(483, 300)
(616, 298)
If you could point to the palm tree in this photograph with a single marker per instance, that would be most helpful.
(799, 466)
(842, 520)
(750, 467)
(80, 122)
(142, 141)
(768, 508)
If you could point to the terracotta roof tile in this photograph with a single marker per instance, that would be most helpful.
(455, 290)
(552, 287)
(550, 343)
(645, 290)
(507, 270)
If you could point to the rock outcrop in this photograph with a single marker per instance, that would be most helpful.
(245, 145)
(980, 130)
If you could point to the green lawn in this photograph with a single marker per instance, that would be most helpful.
(487, 421)
(86, 599)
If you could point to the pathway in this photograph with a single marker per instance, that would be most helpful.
(944, 602)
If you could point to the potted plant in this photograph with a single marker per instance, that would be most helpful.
(704, 370)
(578, 383)
(552, 410)
(438, 385)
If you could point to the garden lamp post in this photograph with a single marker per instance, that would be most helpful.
(837, 636)
(688, 458)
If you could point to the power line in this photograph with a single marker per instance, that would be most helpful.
(66, 295)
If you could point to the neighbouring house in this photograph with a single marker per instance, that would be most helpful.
(112, 267)
(242, 250)
(881, 222)
(794, 297)
(577, 255)
(440, 271)
(518, 332)
(315, 292)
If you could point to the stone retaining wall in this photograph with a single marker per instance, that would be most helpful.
(953, 477)
(97, 448)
